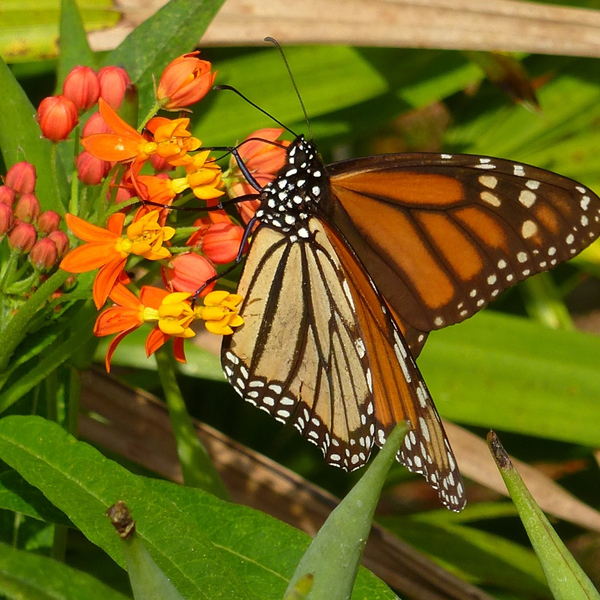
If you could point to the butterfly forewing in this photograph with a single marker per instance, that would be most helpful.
(297, 356)
(442, 235)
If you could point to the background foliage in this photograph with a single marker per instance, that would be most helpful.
(504, 369)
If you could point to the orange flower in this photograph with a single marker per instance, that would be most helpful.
(171, 140)
(108, 250)
(184, 81)
(263, 160)
(220, 311)
(220, 242)
(172, 315)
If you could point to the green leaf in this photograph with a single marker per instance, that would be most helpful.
(20, 140)
(173, 30)
(334, 556)
(565, 577)
(28, 576)
(480, 372)
(147, 579)
(18, 496)
(29, 29)
(479, 556)
(207, 547)
(74, 47)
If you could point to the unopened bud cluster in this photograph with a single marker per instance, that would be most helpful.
(33, 237)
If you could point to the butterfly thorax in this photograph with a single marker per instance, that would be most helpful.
(289, 200)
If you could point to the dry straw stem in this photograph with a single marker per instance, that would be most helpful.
(507, 25)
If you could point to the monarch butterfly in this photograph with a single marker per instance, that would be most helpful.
(353, 264)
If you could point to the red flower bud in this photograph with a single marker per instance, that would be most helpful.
(7, 195)
(185, 81)
(188, 272)
(21, 178)
(160, 164)
(221, 242)
(95, 124)
(57, 117)
(82, 87)
(22, 237)
(113, 83)
(44, 254)
(61, 241)
(91, 170)
(48, 221)
(6, 219)
(27, 208)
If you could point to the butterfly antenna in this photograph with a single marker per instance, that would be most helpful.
(287, 66)
(262, 110)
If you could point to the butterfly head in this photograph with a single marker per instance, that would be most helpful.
(288, 201)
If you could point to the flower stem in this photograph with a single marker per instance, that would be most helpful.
(152, 112)
(59, 203)
(196, 465)
(17, 328)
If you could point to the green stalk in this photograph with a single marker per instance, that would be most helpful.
(196, 465)
(18, 326)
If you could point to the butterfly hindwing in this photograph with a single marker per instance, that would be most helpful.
(399, 391)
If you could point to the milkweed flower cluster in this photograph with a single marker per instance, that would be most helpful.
(133, 185)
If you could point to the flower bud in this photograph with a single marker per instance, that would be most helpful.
(21, 178)
(44, 254)
(113, 83)
(22, 237)
(57, 116)
(221, 242)
(7, 196)
(27, 208)
(188, 272)
(160, 164)
(61, 241)
(6, 219)
(82, 87)
(95, 124)
(185, 81)
(91, 170)
(48, 222)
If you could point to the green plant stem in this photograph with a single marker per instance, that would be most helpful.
(18, 326)
(9, 269)
(196, 465)
(59, 203)
(152, 112)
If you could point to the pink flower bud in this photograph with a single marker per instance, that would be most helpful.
(61, 241)
(48, 221)
(21, 178)
(82, 87)
(22, 237)
(6, 219)
(221, 242)
(7, 195)
(188, 272)
(91, 170)
(113, 83)
(27, 208)
(160, 164)
(57, 116)
(95, 124)
(44, 254)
